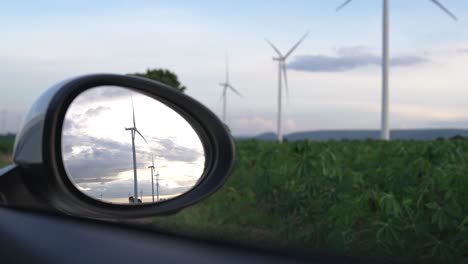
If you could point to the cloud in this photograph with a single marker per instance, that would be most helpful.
(102, 94)
(462, 50)
(88, 159)
(168, 150)
(99, 160)
(346, 59)
(121, 189)
(251, 125)
(92, 112)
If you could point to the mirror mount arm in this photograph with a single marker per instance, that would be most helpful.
(14, 192)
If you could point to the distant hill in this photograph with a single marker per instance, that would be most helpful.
(326, 135)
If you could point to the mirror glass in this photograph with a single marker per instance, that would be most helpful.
(123, 147)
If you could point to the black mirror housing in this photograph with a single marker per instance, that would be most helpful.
(40, 170)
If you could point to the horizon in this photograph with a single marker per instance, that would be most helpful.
(13, 135)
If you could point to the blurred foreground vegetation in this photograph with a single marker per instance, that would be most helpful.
(406, 200)
(6, 148)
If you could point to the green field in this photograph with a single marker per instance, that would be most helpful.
(403, 198)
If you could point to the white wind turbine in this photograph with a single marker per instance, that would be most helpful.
(152, 172)
(134, 130)
(227, 85)
(385, 131)
(283, 72)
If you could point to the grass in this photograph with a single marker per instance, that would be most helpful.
(399, 198)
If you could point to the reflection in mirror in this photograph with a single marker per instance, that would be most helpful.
(123, 147)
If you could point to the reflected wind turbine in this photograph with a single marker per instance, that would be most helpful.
(283, 72)
(227, 85)
(385, 132)
(157, 184)
(152, 172)
(134, 130)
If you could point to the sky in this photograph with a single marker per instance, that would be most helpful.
(97, 150)
(334, 76)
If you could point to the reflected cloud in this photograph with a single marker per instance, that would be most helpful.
(96, 160)
(167, 149)
(93, 112)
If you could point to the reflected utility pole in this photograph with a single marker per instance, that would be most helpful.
(152, 171)
(157, 185)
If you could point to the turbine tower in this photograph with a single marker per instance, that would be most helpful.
(282, 72)
(133, 131)
(227, 85)
(152, 172)
(157, 184)
(385, 131)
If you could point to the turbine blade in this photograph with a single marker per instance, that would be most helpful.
(152, 159)
(343, 5)
(275, 48)
(227, 69)
(286, 85)
(235, 91)
(141, 135)
(223, 94)
(446, 10)
(297, 45)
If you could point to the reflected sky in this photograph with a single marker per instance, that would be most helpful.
(97, 150)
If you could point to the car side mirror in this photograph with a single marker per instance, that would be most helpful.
(113, 146)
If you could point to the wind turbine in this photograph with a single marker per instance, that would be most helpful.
(152, 171)
(134, 130)
(385, 132)
(227, 85)
(157, 184)
(282, 72)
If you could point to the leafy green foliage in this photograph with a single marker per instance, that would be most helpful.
(165, 76)
(6, 147)
(6, 144)
(401, 198)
